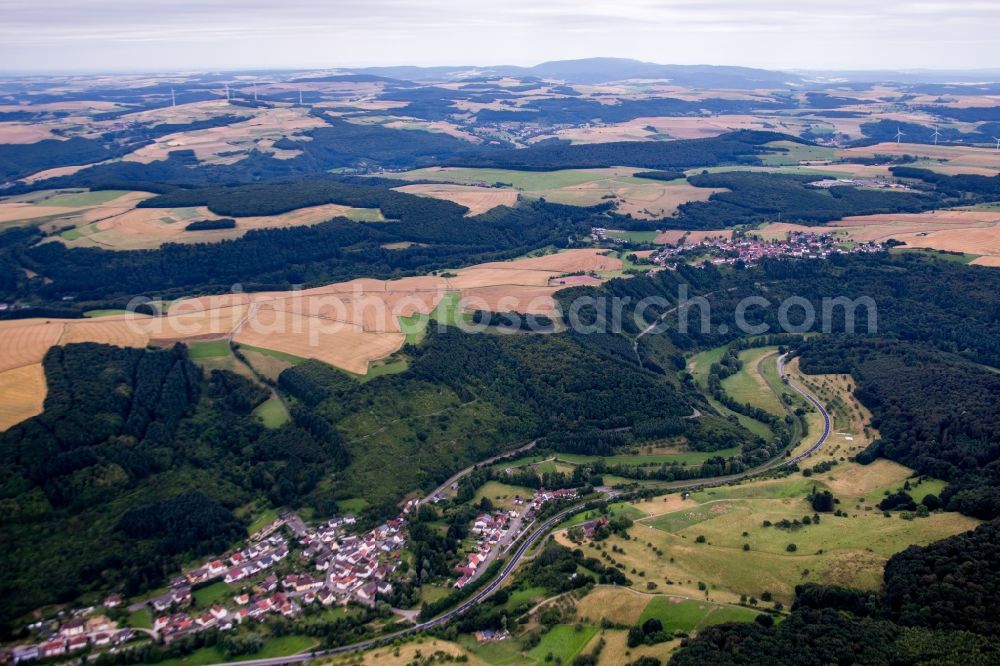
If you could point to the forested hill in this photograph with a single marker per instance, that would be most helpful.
(935, 412)
(133, 467)
(339, 249)
(740, 147)
(940, 605)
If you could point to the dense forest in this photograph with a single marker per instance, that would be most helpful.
(740, 147)
(939, 606)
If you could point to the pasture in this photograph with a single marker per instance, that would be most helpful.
(749, 384)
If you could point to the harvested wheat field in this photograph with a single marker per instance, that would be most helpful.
(120, 331)
(23, 390)
(986, 261)
(506, 298)
(946, 159)
(969, 231)
(134, 228)
(476, 199)
(347, 324)
(25, 341)
(340, 344)
(15, 132)
(54, 209)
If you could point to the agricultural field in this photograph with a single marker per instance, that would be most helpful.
(477, 199)
(970, 235)
(230, 143)
(349, 325)
(23, 390)
(640, 197)
(110, 219)
(943, 159)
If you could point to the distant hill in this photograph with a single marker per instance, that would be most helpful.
(600, 70)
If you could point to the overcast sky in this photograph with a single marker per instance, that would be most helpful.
(229, 34)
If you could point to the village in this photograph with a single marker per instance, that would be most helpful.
(329, 566)
(746, 248)
(750, 250)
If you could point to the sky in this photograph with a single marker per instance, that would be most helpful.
(209, 35)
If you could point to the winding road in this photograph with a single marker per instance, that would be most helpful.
(542, 530)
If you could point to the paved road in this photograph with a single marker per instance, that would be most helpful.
(538, 533)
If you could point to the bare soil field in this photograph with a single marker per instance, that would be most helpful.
(986, 261)
(23, 390)
(476, 199)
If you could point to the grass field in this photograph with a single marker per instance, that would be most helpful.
(91, 314)
(210, 349)
(682, 457)
(563, 642)
(699, 366)
(446, 312)
(849, 550)
(634, 236)
(797, 152)
(749, 385)
(83, 199)
(141, 619)
(639, 197)
(688, 615)
(272, 412)
(274, 647)
(501, 494)
(204, 597)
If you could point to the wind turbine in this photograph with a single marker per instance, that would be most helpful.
(998, 142)
(899, 133)
(227, 94)
(936, 135)
(255, 91)
(300, 96)
(173, 98)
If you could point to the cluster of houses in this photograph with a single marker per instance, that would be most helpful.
(600, 234)
(333, 567)
(748, 250)
(355, 567)
(870, 183)
(73, 635)
(489, 529)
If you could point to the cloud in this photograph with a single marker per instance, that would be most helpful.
(229, 33)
